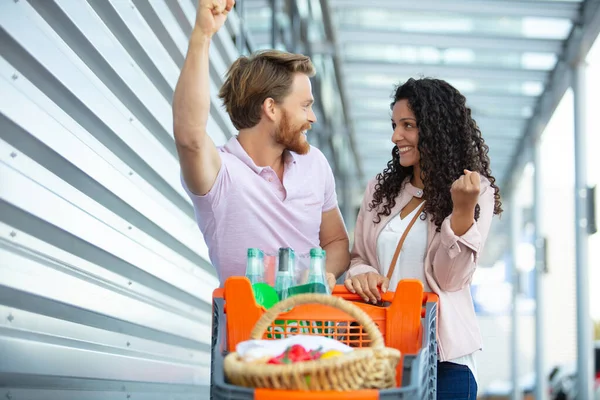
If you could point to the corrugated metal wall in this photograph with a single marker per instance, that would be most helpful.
(105, 287)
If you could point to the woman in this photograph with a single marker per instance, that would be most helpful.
(438, 189)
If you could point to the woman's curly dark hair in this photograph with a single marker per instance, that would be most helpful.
(449, 143)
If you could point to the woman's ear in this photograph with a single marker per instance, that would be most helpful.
(269, 108)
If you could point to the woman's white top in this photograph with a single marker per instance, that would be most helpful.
(410, 264)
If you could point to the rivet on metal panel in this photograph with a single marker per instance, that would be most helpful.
(13, 234)
(130, 173)
(130, 119)
(129, 227)
(14, 76)
(129, 283)
(128, 344)
(10, 318)
(8, 395)
(128, 396)
(13, 154)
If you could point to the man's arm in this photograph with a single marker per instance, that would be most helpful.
(334, 240)
(199, 159)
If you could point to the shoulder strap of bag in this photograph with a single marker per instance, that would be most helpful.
(401, 242)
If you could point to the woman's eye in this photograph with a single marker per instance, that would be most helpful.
(394, 126)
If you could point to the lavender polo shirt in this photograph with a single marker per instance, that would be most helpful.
(248, 206)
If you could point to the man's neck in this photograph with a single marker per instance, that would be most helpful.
(261, 148)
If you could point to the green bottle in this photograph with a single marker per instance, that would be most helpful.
(316, 273)
(284, 284)
(264, 294)
(254, 266)
(317, 277)
(284, 279)
(316, 281)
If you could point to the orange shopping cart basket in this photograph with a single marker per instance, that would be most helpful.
(406, 318)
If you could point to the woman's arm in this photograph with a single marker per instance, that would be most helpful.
(362, 278)
(358, 254)
(463, 238)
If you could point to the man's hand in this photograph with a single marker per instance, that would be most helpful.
(199, 158)
(211, 15)
(366, 286)
(331, 281)
(334, 240)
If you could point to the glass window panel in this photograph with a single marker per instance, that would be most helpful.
(410, 21)
(451, 56)
(357, 82)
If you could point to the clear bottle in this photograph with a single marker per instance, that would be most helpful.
(285, 272)
(317, 273)
(254, 266)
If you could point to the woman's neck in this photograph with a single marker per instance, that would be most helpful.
(416, 180)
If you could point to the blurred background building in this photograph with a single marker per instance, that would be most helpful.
(105, 283)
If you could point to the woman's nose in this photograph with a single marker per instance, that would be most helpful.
(397, 136)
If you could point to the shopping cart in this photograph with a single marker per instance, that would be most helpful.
(406, 318)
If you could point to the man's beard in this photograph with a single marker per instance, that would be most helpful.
(292, 137)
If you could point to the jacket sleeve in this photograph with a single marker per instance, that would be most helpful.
(358, 255)
(455, 260)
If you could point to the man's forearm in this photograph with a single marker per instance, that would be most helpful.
(338, 257)
(191, 100)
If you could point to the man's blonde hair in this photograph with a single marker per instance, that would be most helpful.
(251, 80)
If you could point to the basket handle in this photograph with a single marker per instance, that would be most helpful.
(311, 298)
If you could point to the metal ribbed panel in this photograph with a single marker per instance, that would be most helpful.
(105, 286)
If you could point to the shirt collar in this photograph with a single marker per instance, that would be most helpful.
(234, 147)
(290, 157)
(414, 191)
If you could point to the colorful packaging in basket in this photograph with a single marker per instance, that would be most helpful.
(290, 350)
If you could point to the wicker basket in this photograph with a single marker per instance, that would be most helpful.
(371, 367)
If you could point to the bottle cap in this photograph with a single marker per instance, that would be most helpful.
(254, 252)
(285, 257)
(317, 252)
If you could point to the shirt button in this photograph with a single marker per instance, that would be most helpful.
(270, 179)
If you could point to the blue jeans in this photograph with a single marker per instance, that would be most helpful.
(456, 382)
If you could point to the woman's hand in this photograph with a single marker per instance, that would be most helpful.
(465, 192)
(366, 286)
(465, 195)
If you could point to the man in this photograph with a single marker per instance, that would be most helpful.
(267, 187)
